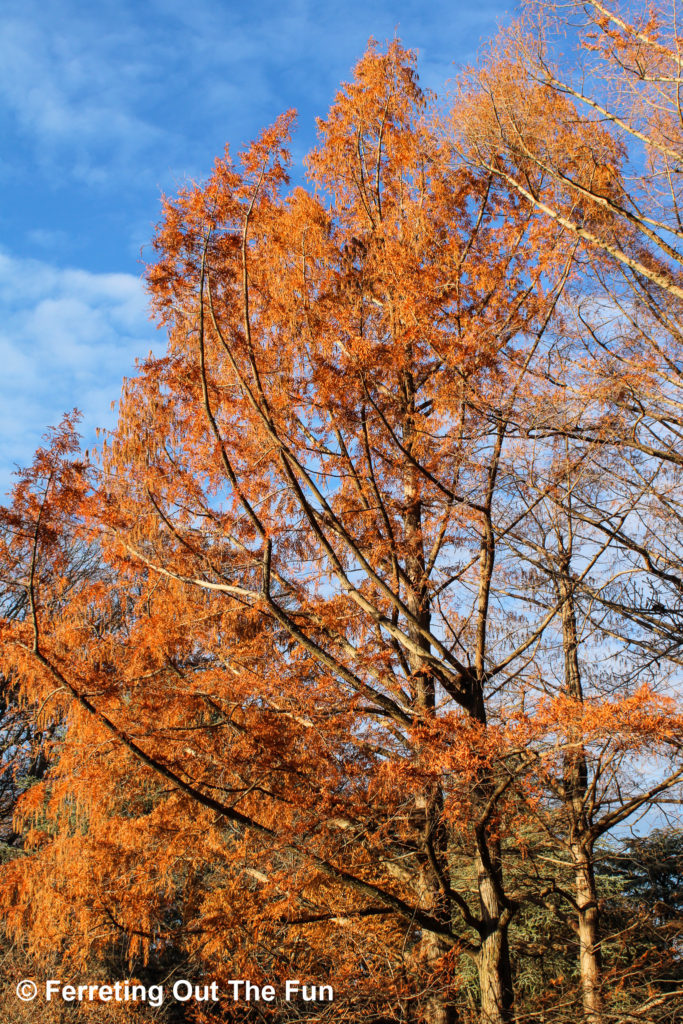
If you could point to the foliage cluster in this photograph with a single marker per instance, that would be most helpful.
(356, 650)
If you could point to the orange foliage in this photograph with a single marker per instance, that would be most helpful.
(293, 693)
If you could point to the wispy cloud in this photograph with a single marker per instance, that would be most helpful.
(67, 339)
(101, 89)
(102, 105)
(72, 92)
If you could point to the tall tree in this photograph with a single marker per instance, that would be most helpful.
(298, 508)
(309, 704)
(607, 176)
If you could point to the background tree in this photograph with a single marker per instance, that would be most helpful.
(605, 174)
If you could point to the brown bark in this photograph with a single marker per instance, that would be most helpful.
(495, 973)
(439, 1004)
(589, 937)
(433, 873)
(575, 788)
(494, 957)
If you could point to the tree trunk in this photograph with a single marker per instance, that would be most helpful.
(495, 976)
(432, 841)
(589, 940)
(439, 1004)
(494, 957)
(576, 786)
(495, 973)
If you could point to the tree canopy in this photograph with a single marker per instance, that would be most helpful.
(361, 635)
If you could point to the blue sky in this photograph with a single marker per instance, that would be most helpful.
(103, 106)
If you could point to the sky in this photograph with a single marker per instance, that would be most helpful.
(105, 106)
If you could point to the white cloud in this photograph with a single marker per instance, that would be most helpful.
(107, 90)
(67, 339)
(69, 87)
(130, 97)
(46, 239)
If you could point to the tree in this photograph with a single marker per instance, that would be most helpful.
(295, 479)
(607, 175)
(306, 722)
